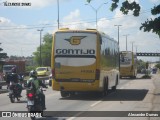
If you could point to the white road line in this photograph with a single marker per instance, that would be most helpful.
(71, 118)
(122, 87)
(76, 115)
(96, 103)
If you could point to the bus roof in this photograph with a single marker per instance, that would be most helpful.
(71, 30)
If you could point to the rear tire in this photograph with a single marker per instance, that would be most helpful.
(50, 82)
(105, 88)
(115, 87)
(72, 94)
(12, 98)
(31, 110)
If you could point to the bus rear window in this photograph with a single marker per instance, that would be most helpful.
(75, 49)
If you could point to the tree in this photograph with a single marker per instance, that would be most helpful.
(46, 51)
(158, 65)
(2, 55)
(149, 25)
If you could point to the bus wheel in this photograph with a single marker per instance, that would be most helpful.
(105, 88)
(71, 94)
(115, 87)
(64, 94)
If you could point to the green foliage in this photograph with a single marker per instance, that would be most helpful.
(155, 10)
(29, 68)
(2, 55)
(146, 76)
(45, 51)
(113, 6)
(158, 65)
(88, 1)
(140, 65)
(151, 24)
(126, 6)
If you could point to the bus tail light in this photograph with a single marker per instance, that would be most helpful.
(97, 74)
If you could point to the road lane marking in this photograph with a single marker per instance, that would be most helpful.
(122, 87)
(76, 115)
(71, 118)
(96, 103)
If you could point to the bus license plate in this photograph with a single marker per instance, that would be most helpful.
(10, 91)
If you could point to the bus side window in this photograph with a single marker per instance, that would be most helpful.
(122, 58)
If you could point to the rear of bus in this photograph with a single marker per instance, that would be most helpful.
(74, 55)
(127, 64)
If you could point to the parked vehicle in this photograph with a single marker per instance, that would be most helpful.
(34, 102)
(154, 70)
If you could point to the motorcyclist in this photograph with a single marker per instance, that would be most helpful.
(35, 84)
(13, 79)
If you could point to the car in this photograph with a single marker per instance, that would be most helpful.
(49, 81)
(43, 71)
(154, 70)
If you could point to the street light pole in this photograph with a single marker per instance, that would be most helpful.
(96, 11)
(58, 12)
(40, 46)
(136, 48)
(118, 46)
(118, 32)
(132, 45)
(126, 40)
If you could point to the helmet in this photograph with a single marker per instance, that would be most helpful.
(33, 73)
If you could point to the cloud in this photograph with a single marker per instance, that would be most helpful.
(73, 16)
(17, 41)
(74, 21)
(145, 41)
(28, 40)
(154, 1)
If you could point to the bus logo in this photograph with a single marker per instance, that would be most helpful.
(75, 40)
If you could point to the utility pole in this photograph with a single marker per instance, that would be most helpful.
(136, 48)
(132, 45)
(40, 46)
(126, 40)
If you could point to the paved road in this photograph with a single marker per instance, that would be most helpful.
(131, 95)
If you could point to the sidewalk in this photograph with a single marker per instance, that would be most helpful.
(156, 98)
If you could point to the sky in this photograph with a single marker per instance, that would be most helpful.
(19, 24)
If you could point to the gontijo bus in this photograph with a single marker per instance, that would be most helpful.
(128, 64)
(83, 61)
